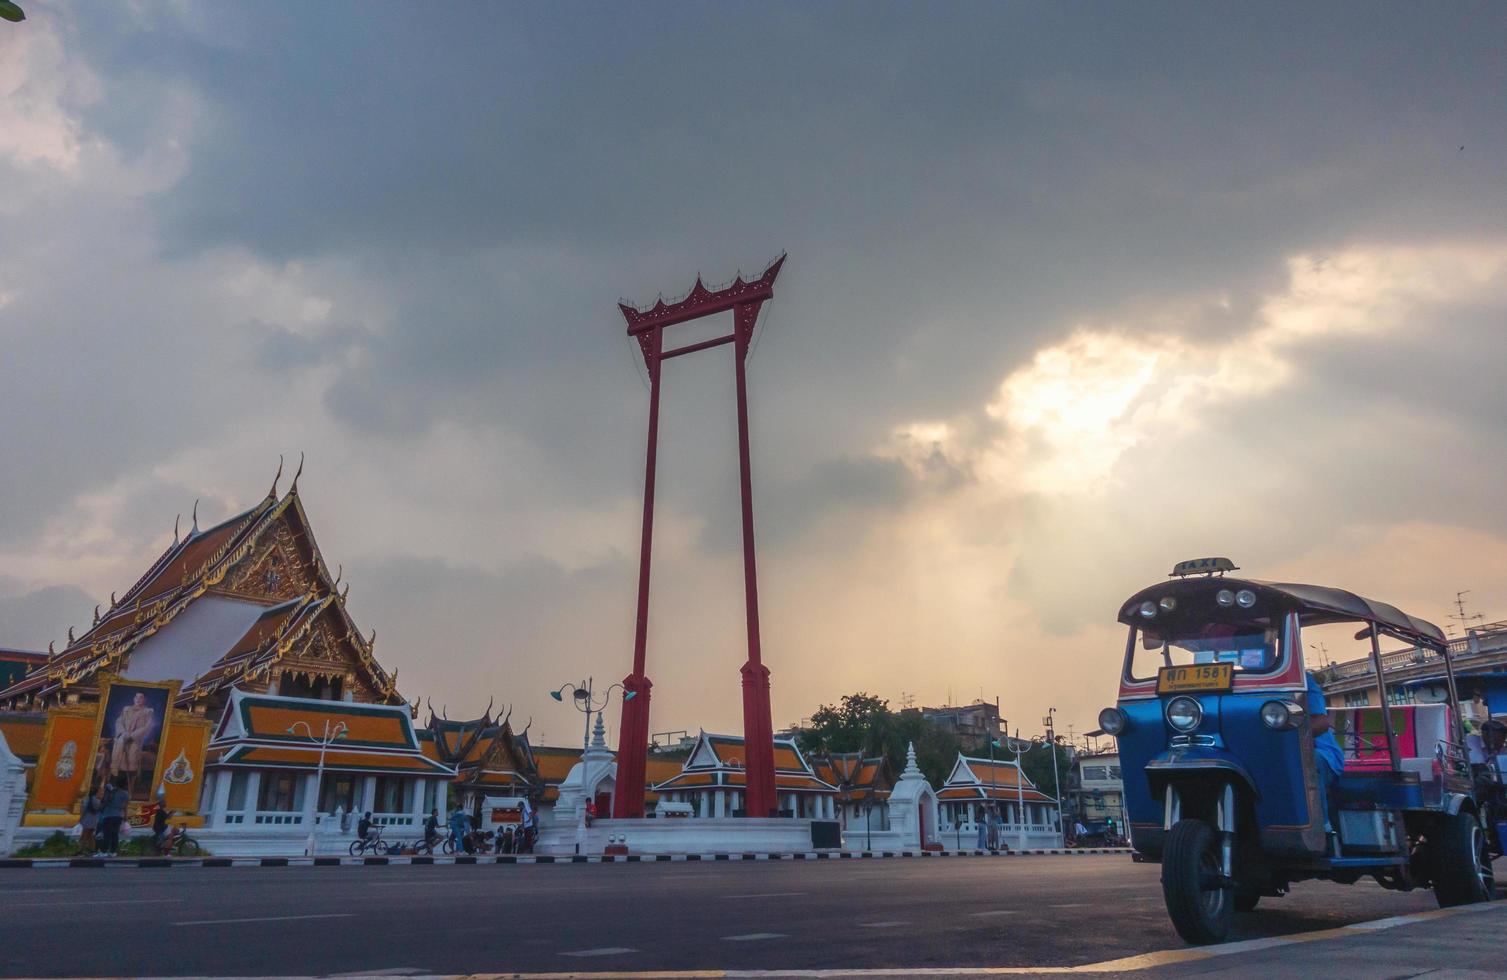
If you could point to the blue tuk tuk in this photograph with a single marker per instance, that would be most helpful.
(1221, 785)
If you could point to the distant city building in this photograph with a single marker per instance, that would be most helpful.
(1096, 788)
(974, 724)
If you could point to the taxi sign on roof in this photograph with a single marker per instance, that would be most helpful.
(1203, 566)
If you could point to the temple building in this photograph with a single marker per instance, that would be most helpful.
(1028, 816)
(490, 761)
(712, 780)
(214, 685)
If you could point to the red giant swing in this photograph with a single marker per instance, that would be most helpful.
(744, 299)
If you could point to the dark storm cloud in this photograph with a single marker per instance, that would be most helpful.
(951, 181)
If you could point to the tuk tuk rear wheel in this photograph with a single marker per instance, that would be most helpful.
(1462, 864)
(1246, 899)
(1199, 906)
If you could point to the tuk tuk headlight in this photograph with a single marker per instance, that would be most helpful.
(1245, 598)
(1168, 603)
(1281, 715)
(1184, 714)
(1225, 598)
(1148, 609)
(1112, 721)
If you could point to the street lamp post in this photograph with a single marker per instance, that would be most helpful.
(583, 698)
(1056, 779)
(1019, 746)
(331, 735)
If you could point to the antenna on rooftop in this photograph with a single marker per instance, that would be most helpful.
(1459, 615)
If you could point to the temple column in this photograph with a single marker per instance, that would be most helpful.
(310, 801)
(221, 799)
(442, 799)
(253, 795)
(719, 805)
(417, 809)
(368, 796)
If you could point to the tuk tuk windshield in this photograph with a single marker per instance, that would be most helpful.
(1250, 645)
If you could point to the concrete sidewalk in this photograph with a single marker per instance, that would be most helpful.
(1448, 944)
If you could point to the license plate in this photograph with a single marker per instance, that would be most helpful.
(1199, 677)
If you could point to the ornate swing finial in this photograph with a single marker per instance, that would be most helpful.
(273, 492)
(50, 652)
(195, 529)
(176, 519)
(70, 635)
(96, 614)
(113, 602)
(339, 571)
(293, 488)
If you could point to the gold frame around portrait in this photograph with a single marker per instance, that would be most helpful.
(107, 681)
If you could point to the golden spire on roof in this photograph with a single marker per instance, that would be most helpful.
(273, 492)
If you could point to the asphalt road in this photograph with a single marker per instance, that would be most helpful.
(949, 912)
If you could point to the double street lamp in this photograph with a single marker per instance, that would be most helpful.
(584, 699)
(331, 735)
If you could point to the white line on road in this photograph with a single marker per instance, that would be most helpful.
(600, 951)
(267, 918)
(767, 895)
(1070, 905)
(981, 915)
(884, 925)
(754, 936)
(99, 901)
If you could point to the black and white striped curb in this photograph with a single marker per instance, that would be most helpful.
(502, 859)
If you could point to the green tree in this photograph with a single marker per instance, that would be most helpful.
(864, 723)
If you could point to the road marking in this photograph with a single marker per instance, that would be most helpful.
(600, 951)
(982, 915)
(267, 918)
(884, 925)
(767, 895)
(754, 936)
(1070, 905)
(98, 901)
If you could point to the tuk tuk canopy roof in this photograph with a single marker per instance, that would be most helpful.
(1313, 603)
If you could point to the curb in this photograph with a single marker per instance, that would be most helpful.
(326, 861)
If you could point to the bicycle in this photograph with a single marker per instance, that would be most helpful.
(179, 844)
(374, 845)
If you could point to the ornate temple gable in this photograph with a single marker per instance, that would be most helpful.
(266, 555)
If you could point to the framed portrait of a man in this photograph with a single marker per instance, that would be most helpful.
(132, 723)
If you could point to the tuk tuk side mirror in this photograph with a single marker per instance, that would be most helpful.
(1364, 634)
(1150, 642)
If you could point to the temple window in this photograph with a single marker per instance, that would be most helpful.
(236, 801)
(394, 795)
(280, 792)
(337, 792)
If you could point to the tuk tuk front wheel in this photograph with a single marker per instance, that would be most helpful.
(1246, 899)
(1198, 901)
(1462, 864)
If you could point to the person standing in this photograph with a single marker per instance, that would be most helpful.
(159, 826)
(111, 813)
(88, 822)
(460, 830)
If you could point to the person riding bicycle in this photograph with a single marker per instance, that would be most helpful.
(432, 827)
(366, 830)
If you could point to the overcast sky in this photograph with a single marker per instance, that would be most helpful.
(1074, 292)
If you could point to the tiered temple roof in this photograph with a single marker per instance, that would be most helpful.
(264, 731)
(856, 776)
(985, 779)
(717, 761)
(485, 753)
(248, 603)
